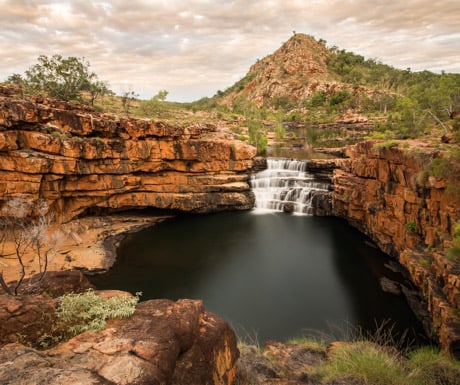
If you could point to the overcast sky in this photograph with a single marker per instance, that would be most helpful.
(194, 48)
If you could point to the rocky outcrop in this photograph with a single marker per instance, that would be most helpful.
(289, 77)
(381, 190)
(81, 161)
(164, 342)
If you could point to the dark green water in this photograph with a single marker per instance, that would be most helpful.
(272, 276)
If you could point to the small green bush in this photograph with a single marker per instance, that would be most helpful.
(86, 311)
(411, 226)
(386, 145)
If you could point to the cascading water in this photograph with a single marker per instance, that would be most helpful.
(286, 185)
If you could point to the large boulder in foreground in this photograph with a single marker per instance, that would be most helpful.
(164, 342)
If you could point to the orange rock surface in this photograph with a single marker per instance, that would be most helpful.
(380, 190)
(81, 161)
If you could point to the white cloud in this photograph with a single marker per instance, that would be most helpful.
(193, 48)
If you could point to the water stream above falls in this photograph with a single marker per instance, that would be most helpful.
(271, 276)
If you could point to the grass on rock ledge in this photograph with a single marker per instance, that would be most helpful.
(362, 362)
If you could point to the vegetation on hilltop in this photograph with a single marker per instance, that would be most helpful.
(400, 104)
(303, 82)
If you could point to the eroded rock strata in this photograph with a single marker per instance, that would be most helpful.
(381, 191)
(82, 162)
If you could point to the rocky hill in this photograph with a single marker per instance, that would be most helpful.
(290, 75)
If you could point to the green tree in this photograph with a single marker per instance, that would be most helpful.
(127, 98)
(97, 89)
(161, 96)
(62, 78)
(18, 81)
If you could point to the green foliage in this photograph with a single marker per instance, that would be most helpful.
(339, 97)
(280, 131)
(386, 145)
(453, 253)
(78, 313)
(127, 99)
(424, 263)
(364, 362)
(370, 363)
(63, 78)
(310, 343)
(257, 136)
(155, 105)
(411, 226)
(428, 366)
(160, 96)
(282, 102)
(239, 85)
(317, 99)
(448, 167)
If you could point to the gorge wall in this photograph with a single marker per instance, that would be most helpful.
(381, 191)
(81, 161)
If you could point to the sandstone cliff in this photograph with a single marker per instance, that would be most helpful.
(381, 191)
(82, 162)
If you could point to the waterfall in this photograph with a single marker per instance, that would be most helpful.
(286, 185)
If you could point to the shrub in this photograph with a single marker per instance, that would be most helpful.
(87, 311)
(388, 144)
(318, 98)
(411, 226)
(339, 98)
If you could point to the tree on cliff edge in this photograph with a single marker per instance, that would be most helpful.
(64, 78)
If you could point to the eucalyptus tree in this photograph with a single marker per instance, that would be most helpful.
(63, 78)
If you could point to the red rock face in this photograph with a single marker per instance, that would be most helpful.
(81, 161)
(164, 342)
(380, 192)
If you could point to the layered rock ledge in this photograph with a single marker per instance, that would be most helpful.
(83, 162)
(381, 191)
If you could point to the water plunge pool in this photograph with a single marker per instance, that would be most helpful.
(271, 276)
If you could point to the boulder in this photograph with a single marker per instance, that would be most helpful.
(164, 342)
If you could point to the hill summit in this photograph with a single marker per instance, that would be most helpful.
(294, 71)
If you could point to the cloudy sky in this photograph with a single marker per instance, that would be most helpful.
(194, 48)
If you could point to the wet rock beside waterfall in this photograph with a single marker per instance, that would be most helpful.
(288, 207)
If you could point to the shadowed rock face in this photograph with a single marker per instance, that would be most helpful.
(164, 342)
(81, 161)
(378, 191)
